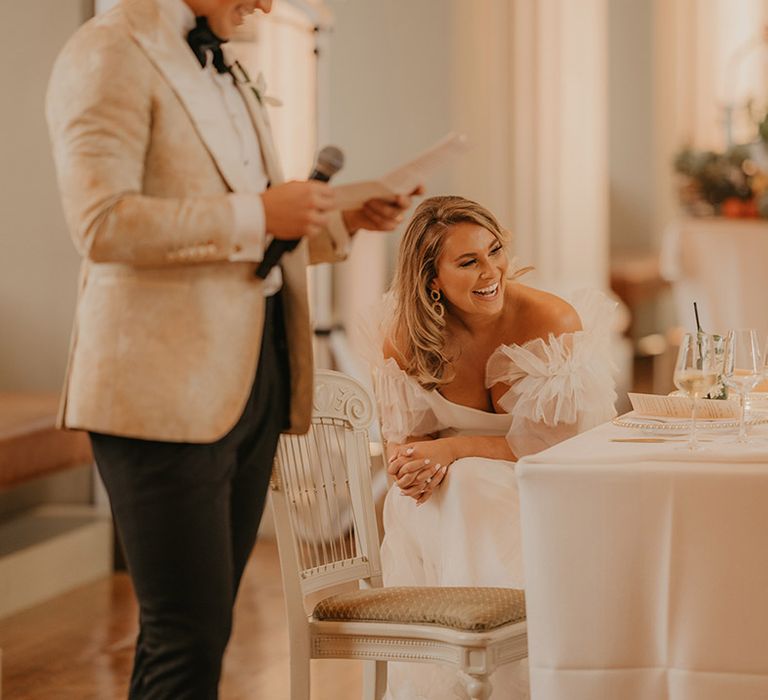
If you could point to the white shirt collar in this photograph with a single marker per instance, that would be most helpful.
(179, 15)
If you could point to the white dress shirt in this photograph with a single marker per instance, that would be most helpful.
(248, 209)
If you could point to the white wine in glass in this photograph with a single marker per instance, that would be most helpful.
(697, 371)
(696, 382)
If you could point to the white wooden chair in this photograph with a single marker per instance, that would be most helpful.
(320, 477)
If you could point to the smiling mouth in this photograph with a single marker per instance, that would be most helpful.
(489, 292)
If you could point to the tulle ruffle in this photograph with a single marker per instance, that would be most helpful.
(561, 386)
(404, 405)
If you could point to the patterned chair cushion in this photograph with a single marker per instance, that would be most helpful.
(467, 609)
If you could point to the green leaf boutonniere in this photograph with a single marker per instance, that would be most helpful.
(259, 88)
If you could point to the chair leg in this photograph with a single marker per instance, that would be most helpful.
(479, 687)
(299, 676)
(374, 680)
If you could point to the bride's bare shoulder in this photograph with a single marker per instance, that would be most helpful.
(537, 314)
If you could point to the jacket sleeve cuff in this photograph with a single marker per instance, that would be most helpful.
(250, 230)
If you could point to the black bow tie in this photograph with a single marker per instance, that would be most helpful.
(201, 40)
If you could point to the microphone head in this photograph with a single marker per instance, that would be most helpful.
(329, 161)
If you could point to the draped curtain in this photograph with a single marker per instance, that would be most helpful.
(540, 116)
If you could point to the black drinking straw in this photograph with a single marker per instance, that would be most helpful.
(700, 361)
(696, 313)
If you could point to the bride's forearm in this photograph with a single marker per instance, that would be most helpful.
(420, 466)
(489, 446)
(392, 447)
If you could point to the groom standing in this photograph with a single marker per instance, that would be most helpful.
(184, 366)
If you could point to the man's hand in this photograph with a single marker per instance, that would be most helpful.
(297, 209)
(379, 214)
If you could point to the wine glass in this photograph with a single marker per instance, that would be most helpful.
(760, 396)
(696, 372)
(762, 385)
(742, 369)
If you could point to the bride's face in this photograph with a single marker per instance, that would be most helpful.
(471, 270)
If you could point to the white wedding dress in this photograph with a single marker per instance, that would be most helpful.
(468, 532)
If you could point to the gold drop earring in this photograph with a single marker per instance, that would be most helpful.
(437, 305)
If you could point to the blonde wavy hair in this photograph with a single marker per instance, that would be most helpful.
(417, 330)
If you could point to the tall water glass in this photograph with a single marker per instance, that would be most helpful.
(697, 372)
(742, 369)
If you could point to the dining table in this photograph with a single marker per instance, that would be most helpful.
(646, 564)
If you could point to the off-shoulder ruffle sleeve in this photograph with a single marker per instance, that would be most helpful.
(405, 407)
(561, 386)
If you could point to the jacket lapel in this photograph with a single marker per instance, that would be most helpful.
(178, 65)
(260, 124)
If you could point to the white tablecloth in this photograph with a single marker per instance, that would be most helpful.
(646, 569)
(723, 265)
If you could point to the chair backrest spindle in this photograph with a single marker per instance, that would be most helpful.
(321, 493)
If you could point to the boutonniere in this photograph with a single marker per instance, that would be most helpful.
(259, 87)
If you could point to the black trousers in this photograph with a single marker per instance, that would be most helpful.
(187, 515)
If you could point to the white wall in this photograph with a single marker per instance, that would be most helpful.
(391, 82)
(631, 125)
(392, 95)
(38, 263)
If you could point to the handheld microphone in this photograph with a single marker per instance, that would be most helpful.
(329, 161)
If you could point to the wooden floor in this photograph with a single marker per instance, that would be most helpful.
(79, 646)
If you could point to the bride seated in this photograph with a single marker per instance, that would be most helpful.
(474, 370)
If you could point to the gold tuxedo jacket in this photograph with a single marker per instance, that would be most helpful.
(167, 330)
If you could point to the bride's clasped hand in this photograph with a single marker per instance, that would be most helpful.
(419, 468)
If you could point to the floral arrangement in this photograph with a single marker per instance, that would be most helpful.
(733, 183)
